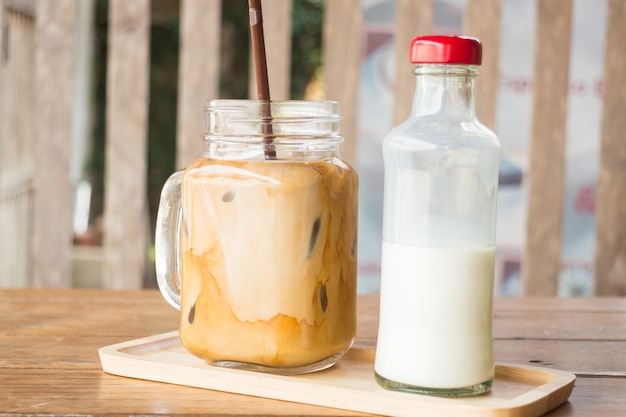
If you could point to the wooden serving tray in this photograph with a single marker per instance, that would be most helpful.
(518, 390)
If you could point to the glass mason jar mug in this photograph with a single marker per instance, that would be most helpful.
(256, 240)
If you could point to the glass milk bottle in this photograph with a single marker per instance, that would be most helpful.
(439, 224)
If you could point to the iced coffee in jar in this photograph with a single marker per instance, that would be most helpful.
(256, 240)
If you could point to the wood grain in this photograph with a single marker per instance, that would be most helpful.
(50, 339)
(610, 251)
(482, 20)
(52, 199)
(529, 325)
(564, 304)
(581, 357)
(198, 74)
(125, 208)
(342, 46)
(413, 18)
(545, 188)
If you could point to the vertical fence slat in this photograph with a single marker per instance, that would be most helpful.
(610, 258)
(125, 208)
(52, 237)
(2, 61)
(342, 59)
(22, 101)
(4, 271)
(482, 20)
(413, 18)
(198, 75)
(277, 33)
(28, 139)
(541, 266)
(17, 98)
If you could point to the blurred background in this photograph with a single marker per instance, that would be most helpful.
(374, 119)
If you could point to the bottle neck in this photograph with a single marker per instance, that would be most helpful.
(444, 90)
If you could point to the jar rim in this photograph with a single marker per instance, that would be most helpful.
(242, 104)
(282, 120)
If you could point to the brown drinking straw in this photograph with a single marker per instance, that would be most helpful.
(260, 69)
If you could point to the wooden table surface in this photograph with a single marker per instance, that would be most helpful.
(49, 363)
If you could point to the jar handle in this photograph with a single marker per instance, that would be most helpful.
(168, 240)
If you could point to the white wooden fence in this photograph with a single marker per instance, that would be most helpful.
(17, 142)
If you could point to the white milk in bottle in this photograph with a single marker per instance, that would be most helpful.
(441, 347)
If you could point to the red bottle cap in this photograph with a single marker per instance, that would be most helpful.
(446, 50)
